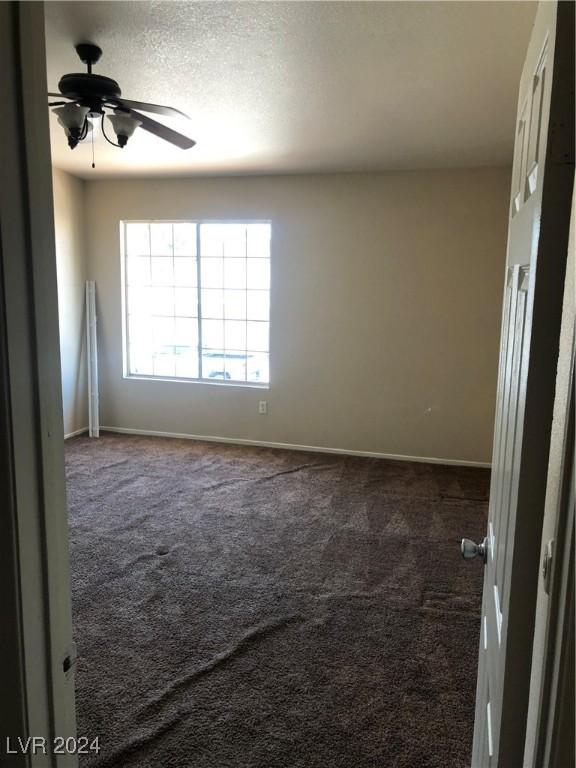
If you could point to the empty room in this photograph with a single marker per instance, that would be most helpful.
(301, 378)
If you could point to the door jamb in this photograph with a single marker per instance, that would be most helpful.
(555, 684)
(35, 631)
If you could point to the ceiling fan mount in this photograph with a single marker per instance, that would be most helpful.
(85, 88)
(89, 95)
(89, 53)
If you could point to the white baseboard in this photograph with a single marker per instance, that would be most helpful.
(291, 447)
(76, 432)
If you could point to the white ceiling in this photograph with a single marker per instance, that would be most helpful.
(290, 87)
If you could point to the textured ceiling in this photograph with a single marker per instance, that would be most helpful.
(289, 87)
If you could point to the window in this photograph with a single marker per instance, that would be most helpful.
(197, 300)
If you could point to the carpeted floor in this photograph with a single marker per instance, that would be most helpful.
(242, 607)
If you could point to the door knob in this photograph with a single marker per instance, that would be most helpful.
(471, 550)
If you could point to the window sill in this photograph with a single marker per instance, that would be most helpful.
(209, 382)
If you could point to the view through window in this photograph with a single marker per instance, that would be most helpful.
(198, 300)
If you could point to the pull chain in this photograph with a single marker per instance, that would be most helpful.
(93, 165)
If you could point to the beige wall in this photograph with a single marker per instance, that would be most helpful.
(71, 265)
(385, 312)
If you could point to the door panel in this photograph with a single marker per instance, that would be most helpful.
(538, 87)
(536, 262)
(516, 350)
(519, 164)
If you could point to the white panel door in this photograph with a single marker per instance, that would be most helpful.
(538, 227)
(507, 445)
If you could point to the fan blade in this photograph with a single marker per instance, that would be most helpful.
(59, 96)
(162, 131)
(156, 108)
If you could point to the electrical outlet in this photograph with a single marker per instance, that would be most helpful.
(263, 407)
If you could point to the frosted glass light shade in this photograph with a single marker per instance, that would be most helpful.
(71, 116)
(89, 128)
(123, 124)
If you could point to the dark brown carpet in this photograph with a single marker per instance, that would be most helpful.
(249, 608)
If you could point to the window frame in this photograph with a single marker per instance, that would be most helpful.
(124, 296)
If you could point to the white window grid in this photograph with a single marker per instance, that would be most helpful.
(207, 301)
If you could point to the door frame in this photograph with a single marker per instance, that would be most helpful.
(36, 648)
(556, 732)
(552, 680)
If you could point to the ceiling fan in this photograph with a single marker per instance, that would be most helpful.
(89, 95)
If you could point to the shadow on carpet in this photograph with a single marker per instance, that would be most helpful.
(243, 607)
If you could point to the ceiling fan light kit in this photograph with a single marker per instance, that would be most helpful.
(72, 117)
(124, 125)
(89, 96)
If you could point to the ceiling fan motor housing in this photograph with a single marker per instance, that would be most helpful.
(89, 90)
